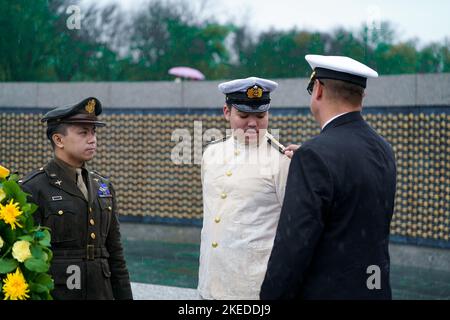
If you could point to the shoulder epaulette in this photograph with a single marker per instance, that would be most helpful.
(217, 141)
(98, 174)
(31, 175)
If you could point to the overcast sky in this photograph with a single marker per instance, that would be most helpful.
(427, 20)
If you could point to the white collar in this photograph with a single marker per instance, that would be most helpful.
(337, 116)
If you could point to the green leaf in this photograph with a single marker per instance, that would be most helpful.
(45, 279)
(47, 296)
(26, 238)
(36, 265)
(49, 254)
(13, 191)
(13, 177)
(28, 224)
(7, 265)
(46, 239)
(33, 208)
(35, 296)
(39, 288)
(26, 208)
(37, 251)
(8, 234)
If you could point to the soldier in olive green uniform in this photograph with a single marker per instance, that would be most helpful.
(79, 207)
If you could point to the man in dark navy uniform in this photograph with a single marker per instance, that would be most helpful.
(79, 207)
(333, 233)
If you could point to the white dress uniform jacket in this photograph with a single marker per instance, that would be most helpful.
(243, 191)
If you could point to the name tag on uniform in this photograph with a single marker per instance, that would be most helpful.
(56, 198)
(103, 191)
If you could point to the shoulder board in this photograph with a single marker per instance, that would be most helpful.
(274, 143)
(31, 176)
(98, 174)
(217, 141)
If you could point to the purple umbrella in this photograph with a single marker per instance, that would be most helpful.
(186, 72)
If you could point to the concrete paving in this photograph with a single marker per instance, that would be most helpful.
(144, 291)
(163, 262)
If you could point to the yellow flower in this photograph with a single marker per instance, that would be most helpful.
(2, 194)
(3, 172)
(9, 214)
(15, 287)
(1, 242)
(21, 250)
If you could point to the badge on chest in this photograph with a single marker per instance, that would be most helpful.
(103, 191)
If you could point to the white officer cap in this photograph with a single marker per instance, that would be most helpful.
(339, 68)
(248, 95)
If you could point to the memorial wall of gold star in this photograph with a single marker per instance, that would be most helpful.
(136, 150)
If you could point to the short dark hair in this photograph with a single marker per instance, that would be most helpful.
(60, 128)
(344, 91)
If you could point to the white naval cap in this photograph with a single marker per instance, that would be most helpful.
(340, 68)
(248, 95)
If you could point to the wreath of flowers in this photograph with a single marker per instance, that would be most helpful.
(25, 253)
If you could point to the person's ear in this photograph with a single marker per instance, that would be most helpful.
(58, 140)
(319, 90)
(227, 112)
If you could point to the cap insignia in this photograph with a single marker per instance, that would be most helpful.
(90, 107)
(254, 92)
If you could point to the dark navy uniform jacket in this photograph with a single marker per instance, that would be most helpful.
(85, 233)
(335, 220)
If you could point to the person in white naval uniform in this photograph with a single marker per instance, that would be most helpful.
(243, 178)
